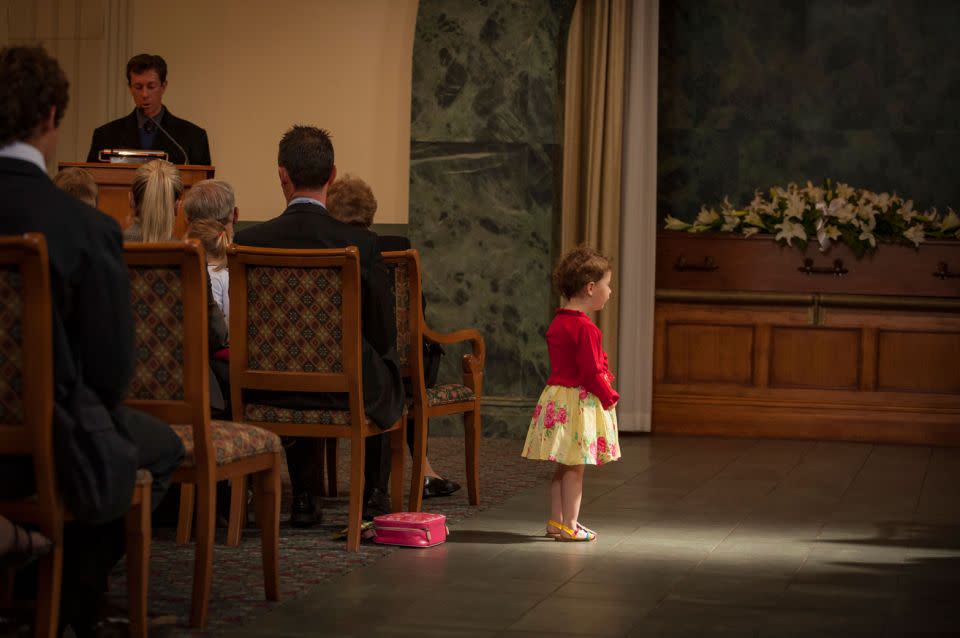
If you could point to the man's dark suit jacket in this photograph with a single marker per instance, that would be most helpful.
(307, 225)
(90, 289)
(123, 133)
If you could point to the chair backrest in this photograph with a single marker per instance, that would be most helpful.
(26, 391)
(295, 322)
(405, 283)
(168, 293)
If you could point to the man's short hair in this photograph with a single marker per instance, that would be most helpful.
(143, 62)
(210, 199)
(78, 182)
(307, 154)
(31, 83)
(351, 200)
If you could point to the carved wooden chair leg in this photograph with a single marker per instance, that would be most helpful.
(418, 461)
(203, 563)
(185, 518)
(238, 510)
(471, 438)
(266, 501)
(398, 441)
(47, 623)
(357, 461)
(138, 563)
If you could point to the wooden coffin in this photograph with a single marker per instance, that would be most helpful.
(755, 339)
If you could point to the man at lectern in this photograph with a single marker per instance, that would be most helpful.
(151, 126)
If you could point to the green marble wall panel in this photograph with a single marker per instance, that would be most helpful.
(753, 94)
(484, 184)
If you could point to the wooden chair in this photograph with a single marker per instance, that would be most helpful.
(168, 292)
(443, 399)
(26, 429)
(295, 327)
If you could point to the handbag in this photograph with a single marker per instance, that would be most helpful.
(410, 529)
(96, 461)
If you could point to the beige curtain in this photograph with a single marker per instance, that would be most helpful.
(597, 49)
(638, 231)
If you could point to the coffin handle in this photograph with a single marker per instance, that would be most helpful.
(707, 266)
(838, 269)
(943, 272)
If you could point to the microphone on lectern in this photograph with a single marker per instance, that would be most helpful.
(150, 120)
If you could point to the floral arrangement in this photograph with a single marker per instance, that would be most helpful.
(834, 212)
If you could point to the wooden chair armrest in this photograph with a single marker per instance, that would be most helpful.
(460, 336)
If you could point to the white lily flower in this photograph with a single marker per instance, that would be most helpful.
(707, 216)
(672, 223)
(915, 234)
(789, 230)
(868, 237)
(754, 220)
(906, 211)
(795, 206)
(832, 232)
(844, 191)
(749, 231)
(950, 221)
(882, 201)
(730, 223)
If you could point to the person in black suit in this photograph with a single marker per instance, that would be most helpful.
(306, 169)
(351, 200)
(92, 316)
(147, 79)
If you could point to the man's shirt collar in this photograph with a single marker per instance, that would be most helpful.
(25, 152)
(142, 119)
(306, 200)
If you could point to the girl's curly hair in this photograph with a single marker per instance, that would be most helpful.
(577, 268)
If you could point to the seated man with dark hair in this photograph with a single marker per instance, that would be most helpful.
(92, 317)
(306, 169)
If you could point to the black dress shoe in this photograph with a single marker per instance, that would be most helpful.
(375, 503)
(303, 511)
(435, 486)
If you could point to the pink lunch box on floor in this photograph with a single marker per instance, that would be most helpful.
(410, 529)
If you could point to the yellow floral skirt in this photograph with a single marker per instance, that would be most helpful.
(570, 426)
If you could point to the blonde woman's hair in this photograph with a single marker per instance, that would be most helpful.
(78, 182)
(156, 188)
(351, 200)
(214, 236)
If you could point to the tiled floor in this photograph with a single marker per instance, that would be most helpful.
(698, 537)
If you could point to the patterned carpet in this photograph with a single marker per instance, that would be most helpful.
(308, 557)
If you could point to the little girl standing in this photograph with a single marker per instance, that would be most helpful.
(574, 422)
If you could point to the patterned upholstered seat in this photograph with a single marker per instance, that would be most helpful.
(448, 393)
(232, 441)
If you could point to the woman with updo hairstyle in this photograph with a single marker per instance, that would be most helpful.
(153, 198)
(215, 237)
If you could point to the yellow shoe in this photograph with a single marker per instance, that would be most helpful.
(580, 535)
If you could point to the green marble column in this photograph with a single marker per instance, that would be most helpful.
(484, 185)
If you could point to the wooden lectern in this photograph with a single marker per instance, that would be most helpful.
(114, 182)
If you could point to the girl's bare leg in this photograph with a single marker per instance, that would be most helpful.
(556, 502)
(571, 489)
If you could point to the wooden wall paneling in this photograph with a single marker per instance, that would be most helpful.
(659, 348)
(761, 358)
(868, 361)
(815, 357)
(913, 361)
(709, 353)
